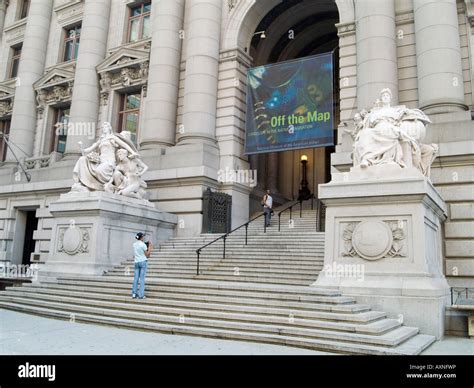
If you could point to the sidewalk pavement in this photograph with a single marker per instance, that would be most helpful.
(25, 334)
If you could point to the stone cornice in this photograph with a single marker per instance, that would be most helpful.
(69, 12)
(404, 18)
(15, 32)
(235, 54)
(345, 29)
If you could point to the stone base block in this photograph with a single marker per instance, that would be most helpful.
(95, 231)
(383, 243)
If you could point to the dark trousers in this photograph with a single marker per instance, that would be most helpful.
(268, 215)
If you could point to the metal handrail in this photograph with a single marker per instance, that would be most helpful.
(224, 237)
(298, 201)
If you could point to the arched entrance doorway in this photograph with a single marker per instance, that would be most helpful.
(290, 30)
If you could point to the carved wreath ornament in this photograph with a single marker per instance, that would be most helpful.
(73, 240)
(374, 240)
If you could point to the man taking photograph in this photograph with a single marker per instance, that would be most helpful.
(142, 252)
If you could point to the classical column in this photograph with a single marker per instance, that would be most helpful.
(85, 96)
(163, 81)
(3, 10)
(376, 50)
(438, 56)
(33, 56)
(202, 67)
(272, 171)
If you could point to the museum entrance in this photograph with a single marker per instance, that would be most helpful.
(295, 29)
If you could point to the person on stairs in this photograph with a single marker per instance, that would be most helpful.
(267, 203)
(142, 252)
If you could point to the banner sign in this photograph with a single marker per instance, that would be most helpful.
(290, 105)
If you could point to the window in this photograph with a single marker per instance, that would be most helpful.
(129, 114)
(71, 43)
(139, 22)
(5, 129)
(24, 8)
(15, 61)
(60, 128)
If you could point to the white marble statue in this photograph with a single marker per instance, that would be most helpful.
(392, 135)
(111, 164)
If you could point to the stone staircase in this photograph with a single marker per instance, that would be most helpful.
(258, 292)
(293, 256)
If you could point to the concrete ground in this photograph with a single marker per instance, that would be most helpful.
(24, 334)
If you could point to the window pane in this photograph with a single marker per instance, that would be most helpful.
(76, 49)
(5, 128)
(68, 50)
(133, 101)
(146, 27)
(61, 147)
(131, 124)
(24, 9)
(134, 30)
(15, 65)
(61, 130)
(136, 11)
(147, 8)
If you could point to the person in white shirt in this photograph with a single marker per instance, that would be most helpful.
(142, 252)
(267, 203)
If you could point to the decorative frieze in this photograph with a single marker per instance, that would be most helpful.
(42, 161)
(55, 86)
(125, 67)
(15, 33)
(69, 12)
(7, 95)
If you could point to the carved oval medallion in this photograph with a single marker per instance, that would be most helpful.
(372, 239)
(72, 240)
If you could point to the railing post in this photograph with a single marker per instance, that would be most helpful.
(451, 296)
(264, 223)
(198, 252)
(246, 228)
(301, 208)
(223, 254)
(312, 202)
(291, 210)
(279, 221)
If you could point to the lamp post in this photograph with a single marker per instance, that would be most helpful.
(304, 192)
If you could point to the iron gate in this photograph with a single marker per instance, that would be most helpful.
(217, 212)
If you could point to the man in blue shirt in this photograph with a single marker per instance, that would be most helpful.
(142, 252)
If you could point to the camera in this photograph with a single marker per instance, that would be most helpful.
(147, 243)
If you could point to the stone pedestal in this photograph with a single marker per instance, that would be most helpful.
(383, 243)
(95, 231)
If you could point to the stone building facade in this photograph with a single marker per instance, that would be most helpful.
(174, 73)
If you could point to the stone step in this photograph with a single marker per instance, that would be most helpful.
(211, 286)
(196, 301)
(226, 267)
(261, 279)
(168, 286)
(306, 319)
(298, 327)
(412, 346)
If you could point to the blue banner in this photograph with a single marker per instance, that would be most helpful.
(290, 105)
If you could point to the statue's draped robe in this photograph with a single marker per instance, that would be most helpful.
(378, 142)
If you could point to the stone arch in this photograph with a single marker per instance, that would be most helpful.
(247, 14)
